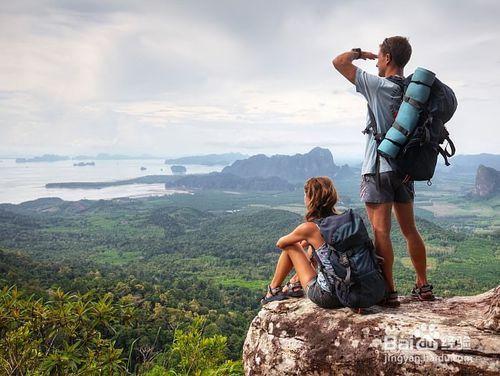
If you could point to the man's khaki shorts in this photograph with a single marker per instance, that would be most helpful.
(392, 189)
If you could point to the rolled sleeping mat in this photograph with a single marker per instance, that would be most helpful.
(416, 95)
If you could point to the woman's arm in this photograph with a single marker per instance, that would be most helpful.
(302, 232)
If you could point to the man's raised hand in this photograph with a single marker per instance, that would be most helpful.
(343, 63)
(367, 55)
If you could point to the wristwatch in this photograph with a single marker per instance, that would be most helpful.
(358, 50)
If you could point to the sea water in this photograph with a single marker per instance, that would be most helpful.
(21, 182)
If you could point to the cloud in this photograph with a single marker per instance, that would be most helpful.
(172, 77)
(250, 105)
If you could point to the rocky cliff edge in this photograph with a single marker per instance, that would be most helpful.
(455, 336)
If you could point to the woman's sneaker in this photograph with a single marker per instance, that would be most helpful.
(423, 293)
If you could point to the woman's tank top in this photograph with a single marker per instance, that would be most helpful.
(324, 280)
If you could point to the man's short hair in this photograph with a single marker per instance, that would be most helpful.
(399, 48)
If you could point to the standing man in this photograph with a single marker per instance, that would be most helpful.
(384, 94)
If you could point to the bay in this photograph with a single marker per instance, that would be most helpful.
(20, 182)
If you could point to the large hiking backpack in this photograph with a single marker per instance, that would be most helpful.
(349, 263)
(417, 159)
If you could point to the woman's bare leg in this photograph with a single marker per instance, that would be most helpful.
(293, 279)
(283, 268)
(293, 257)
(301, 263)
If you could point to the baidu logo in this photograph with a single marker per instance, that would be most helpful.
(424, 337)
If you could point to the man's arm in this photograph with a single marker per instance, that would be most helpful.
(343, 63)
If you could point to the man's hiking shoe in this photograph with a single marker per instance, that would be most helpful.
(294, 290)
(276, 294)
(391, 300)
(423, 293)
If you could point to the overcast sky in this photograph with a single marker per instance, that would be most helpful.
(192, 77)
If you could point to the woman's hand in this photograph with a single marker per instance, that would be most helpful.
(296, 236)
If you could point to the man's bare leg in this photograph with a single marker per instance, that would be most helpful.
(416, 247)
(380, 219)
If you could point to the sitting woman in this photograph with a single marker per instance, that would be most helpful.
(320, 198)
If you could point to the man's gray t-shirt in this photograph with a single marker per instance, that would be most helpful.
(381, 95)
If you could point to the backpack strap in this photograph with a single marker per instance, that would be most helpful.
(400, 128)
(322, 268)
(450, 153)
(379, 136)
(445, 157)
(421, 83)
(417, 104)
(445, 153)
(343, 259)
(400, 81)
(371, 127)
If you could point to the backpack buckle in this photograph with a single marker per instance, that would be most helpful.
(344, 261)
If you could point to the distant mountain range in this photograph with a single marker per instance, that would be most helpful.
(257, 173)
(262, 173)
(43, 158)
(471, 162)
(225, 181)
(208, 160)
(224, 159)
(114, 157)
(294, 168)
(100, 157)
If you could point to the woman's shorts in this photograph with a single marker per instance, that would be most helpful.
(322, 298)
